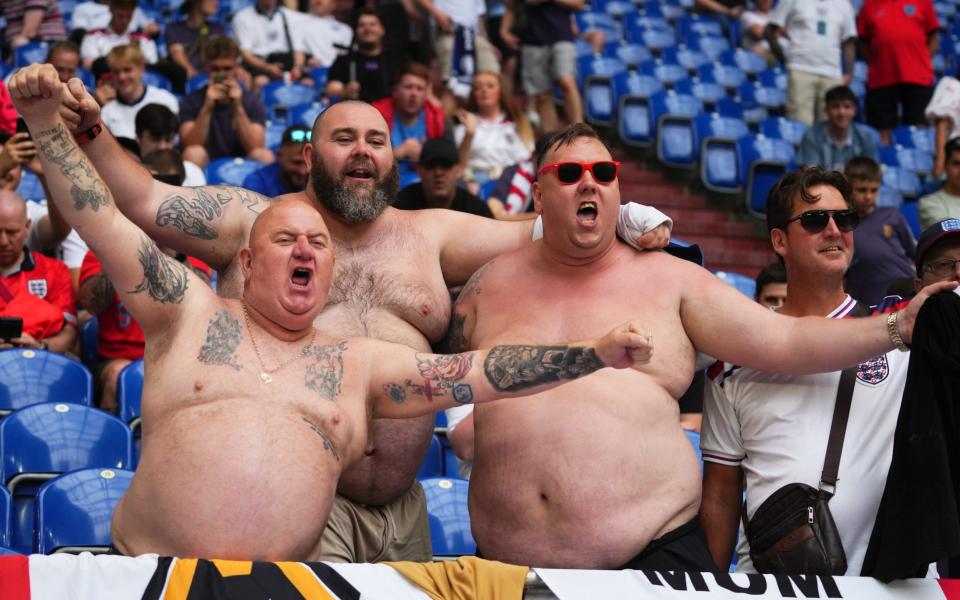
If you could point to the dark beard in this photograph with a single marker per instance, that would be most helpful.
(350, 204)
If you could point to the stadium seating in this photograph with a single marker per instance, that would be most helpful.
(744, 284)
(449, 517)
(30, 187)
(32, 376)
(230, 170)
(32, 52)
(749, 62)
(694, 438)
(129, 392)
(910, 211)
(273, 134)
(762, 161)
(910, 136)
(196, 82)
(451, 465)
(432, 465)
(688, 57)
(596, 81)
(630, 54)
(632, 92)
(699, 25)
(279, 96)
(782, 128)
(667, 72)
(906, 182)
(38, 442)
(708, 92)
(305, 114)
(672, 117)
(712, 130)
(319, 77)
(889, 197)
(6, 517)
(73, 511)
(157, 80)
(729, 76)
(90, 343)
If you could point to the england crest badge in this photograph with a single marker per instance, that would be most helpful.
(37, 287)
(874, 371)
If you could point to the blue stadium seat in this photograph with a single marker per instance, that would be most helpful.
(631, 54)
(440, 421)
(41, 441)
(770, 98)
(651, 32)
(590, 19)
(753, 111)
(196, 82)
(782, 128)
(30, 187)
(229, 170)
(74, 511)
(888, 156)
(706, 91)
(860, 70)
(632, 92)
(671, 10)
(29, 53)
(889, 197)
(672, 117)
(911, 212)
(719, 171)
(688, 57)
(699, 24)
(450, 532)
(90, 343)
(5, 69)
(902, 180)
(273, 134)
(227, 8)
(278, 96)
(432, 465)
(729, 76)
(728, 107)
(694, 438)
(774, 77)
(35, 376)
(6, 517)
(157, 80)
(319, 77)
(486, 188)
(87, 77)
(911, 136)
(129, 393)
(714, 128)
(744, 284)
(668, 73)
(596, 81)
(914, 159)
(713, 46)
(747, 61)
(762, 161)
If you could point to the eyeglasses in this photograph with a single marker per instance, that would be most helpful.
(815, 221)
(943, 267)
(299, 135)
(604, 171)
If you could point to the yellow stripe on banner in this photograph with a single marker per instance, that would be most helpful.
(181, 576)
(305, 581)
(229, 568)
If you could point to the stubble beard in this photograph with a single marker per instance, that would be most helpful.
(353, 203)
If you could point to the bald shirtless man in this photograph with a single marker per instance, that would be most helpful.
(241, 458)
(598, 474)
(390, 282)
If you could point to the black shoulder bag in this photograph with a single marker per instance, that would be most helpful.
(793, 532)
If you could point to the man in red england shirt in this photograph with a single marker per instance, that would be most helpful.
(901, 38)
(32, 286)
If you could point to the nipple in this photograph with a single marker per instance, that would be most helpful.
(197, 386)
(368, 451)
(335, 419)
(424, 309)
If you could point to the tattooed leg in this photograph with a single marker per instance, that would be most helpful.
(164, 279)
(223, 339)
(513, 368)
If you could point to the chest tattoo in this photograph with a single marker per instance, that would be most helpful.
(223, 339)
(324, 373)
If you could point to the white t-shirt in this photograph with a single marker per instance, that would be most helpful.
(775, 427)
(194, 175)
(496, 145)
(262, 34)
(120, 118)
(93, 15)
(816, 29)
(71, 250)
(98, 43)
(946, 103)
(323, 38)
(463, 12)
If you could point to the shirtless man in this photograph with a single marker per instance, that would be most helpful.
(391, 280)
(598, 474)
(272, 404)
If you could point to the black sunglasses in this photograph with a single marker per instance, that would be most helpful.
(815, 221)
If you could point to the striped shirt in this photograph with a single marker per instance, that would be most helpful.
(51, 27)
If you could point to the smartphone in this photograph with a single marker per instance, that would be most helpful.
(10, 328)
(219, 78)
(22, 127)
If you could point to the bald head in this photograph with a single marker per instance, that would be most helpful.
(349, 113)
(14, 227)
(293, 208)
(11, 203)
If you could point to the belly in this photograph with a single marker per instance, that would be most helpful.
(263, 491)
(582, 477)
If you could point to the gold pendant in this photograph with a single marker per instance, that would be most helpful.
(265, 378)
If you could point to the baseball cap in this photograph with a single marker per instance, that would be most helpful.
(295, 134)
(933, 234)
(439, 150)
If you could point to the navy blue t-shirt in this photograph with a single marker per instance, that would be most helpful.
(883, 252)
(544, 24)
(222, 139)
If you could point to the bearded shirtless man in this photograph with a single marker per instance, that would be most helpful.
(257, 434)
(598, 474)
(390, 283)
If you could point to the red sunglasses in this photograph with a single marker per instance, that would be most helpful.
(604, 171)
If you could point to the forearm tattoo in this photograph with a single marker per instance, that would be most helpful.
(86, 187)
(325, 374)
(96, 293)
(441, 375)
(164, 279)
(327, 443)
(513, 368)
(195, 211)
(223, 339)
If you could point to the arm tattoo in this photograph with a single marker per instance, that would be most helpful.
(223, 339)
(163, 278)
(96, 293)
(455, 340)
(327, 443)
(325, 374)
(513, 368)
(86, 187)
(255, 203)
(441, 374)
(472, 287)
(190, 215)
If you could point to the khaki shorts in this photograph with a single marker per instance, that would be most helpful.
(486, 59)
(357, 533)
(805, 93)
(542, 65)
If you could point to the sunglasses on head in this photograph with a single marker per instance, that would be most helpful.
(604, 171)
(299, 135)
(815, 221)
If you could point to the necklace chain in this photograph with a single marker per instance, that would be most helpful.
(264, 371)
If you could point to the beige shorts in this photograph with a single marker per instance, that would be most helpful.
(805, 93)
(357, 533)
(486, 59)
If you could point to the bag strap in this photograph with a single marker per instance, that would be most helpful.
(286, 32)
(838, 429)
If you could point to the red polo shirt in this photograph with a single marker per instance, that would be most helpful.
(40, 293)
(896, 34)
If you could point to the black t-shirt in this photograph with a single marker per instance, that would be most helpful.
(222, 139)
(411, 198)
(544, 24)
(374, 73)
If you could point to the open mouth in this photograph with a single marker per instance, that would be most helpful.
(831, 250)
(587, 213)
(361, 172)
(301, 277)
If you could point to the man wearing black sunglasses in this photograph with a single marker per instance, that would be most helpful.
(393, 270)
(601, 475)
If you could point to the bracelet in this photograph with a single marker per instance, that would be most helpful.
(894, 333)
(90, 134)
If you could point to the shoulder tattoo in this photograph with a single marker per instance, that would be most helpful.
(223, 339)
(164, 279)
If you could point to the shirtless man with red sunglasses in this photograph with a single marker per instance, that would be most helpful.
(599, 474)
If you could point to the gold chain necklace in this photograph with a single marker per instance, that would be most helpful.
(265, 372)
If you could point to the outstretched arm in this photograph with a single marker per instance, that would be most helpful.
(407, 383)
(153, 286)
(209, 223)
